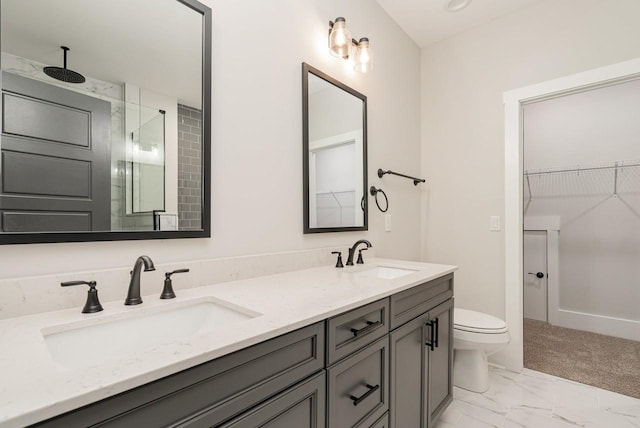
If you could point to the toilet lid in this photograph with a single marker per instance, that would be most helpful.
(464, 319)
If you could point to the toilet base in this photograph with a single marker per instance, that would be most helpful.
(470, 370)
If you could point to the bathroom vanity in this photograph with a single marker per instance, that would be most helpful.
(368, 346)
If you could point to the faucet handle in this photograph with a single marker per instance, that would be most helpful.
(339, 261)
(167, 290)
(92, 304)
(168, 274)
(360, 261)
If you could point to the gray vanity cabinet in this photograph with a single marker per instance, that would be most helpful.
(387, 364)
(421, 354)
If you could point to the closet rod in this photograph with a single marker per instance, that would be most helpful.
(596, 168)
(415, 180)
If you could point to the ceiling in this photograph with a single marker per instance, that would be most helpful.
(153, 44)
(428, 21)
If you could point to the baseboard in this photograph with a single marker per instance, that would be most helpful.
(617, 327)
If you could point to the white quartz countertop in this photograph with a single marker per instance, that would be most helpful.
(34, 387)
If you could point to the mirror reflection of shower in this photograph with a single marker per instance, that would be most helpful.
(148, 163)
(144, 154)
(64, 74)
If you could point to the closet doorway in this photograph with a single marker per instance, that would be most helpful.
(581, 157)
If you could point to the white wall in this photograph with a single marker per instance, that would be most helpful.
(258, 47)
(600, 233)
(596, 126)
(333, 111)
(463, 80)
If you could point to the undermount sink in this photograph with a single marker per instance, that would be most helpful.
(385, 272)
(91, 342)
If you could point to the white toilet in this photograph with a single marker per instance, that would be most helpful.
(475, 336)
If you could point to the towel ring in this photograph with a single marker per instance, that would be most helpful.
(374, 192)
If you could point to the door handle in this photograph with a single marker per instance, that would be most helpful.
(437, 333)
(432, 342)
(539, 275)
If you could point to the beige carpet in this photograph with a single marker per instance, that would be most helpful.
(605, 362)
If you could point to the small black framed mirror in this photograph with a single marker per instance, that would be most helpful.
(105, 132)
(334, 118)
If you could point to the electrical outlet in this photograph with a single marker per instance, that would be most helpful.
(387, 222)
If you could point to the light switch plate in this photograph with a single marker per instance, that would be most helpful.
(387, 222)
(495, 223)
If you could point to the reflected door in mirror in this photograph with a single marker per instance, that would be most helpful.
(55, 157)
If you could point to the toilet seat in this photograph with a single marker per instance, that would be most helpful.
(477, 322)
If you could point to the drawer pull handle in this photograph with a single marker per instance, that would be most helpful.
(364, 330)
(437, 333)
(432, 342)
(358, 400)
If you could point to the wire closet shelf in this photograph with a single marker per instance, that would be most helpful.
(613, 178)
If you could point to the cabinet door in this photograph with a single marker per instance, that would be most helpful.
(302, 406)
(409, 361)
(441, 360)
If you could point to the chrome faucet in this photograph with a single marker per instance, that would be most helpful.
(352, 250)
(133, 295)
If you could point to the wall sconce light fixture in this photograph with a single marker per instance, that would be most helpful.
(339, 38)
(456, 5)
(343, 46)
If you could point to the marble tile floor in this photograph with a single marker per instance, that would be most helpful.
(537, 400)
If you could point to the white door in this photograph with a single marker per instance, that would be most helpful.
(535, 275)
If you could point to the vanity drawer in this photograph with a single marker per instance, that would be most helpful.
(216, 390)
(348, 332)
(358, 387)
(411, 303)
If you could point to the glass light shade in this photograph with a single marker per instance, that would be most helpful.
(340, 39)
(363, 59)
(456, 5)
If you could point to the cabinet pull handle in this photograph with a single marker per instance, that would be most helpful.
(437, 333)
(431, 343)
(364, 330)
(358, 400)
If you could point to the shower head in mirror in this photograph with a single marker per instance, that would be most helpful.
(63, 73)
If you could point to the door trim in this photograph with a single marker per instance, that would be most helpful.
(513, 356)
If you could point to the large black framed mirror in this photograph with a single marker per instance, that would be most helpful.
(334, 118)
(106, 118)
